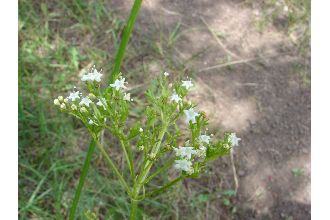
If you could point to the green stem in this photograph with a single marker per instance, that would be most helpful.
(134, 206)
(149, 163)
(112, 166)
(126, 35)
(129, 157)
(146, 168)
(166, 165)
(82, 180)
(127, 151)
(163, 188)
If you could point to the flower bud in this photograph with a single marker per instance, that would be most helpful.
(74, 107)
(152, 156)
(190, 171)
(66, 100)
(91, 96)
(127, 96)
(83, 110)
(60, 98)
(141, 129)
(57, 102)
(63, 106)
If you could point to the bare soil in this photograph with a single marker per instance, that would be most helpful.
(263, 98)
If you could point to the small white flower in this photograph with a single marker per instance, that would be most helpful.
(91, 122)
(85, 101)
(63, 106)
(141, 129)
(119, 84)
(66, 100)
(176, 98)
(60, 98)
(97, 76)
(127, 97)
(100, 103)
(92, 76)
(73, 107)
(191, 115)
(201, 152)
(185, 152)
(184, 165)
(166, 74)
(187, 84)
(204, 138)
(74, 95)
(286, 8)
(234, 139)
(57, 102)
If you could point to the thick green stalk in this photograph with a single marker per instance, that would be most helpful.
(126, 35)
(134, 206)
(82, 180)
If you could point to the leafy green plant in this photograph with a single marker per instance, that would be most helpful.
(155, 138)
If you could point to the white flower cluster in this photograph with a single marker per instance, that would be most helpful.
(188, 154)
(93, 75)
(190, 113)
(76, 103)
(119, 85)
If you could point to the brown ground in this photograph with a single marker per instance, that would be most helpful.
(265, 101)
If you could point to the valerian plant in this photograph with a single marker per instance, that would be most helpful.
(155, 136)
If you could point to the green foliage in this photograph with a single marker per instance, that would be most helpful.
(108, 109)
(90, 215)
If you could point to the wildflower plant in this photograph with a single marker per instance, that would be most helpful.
(155, 136)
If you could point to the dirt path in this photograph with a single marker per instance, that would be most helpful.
(260, 96)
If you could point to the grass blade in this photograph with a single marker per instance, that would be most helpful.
(126, 35)
(82, 180)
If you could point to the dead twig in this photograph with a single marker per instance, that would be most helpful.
(234, 169)
(228, 64)
(222, 46)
